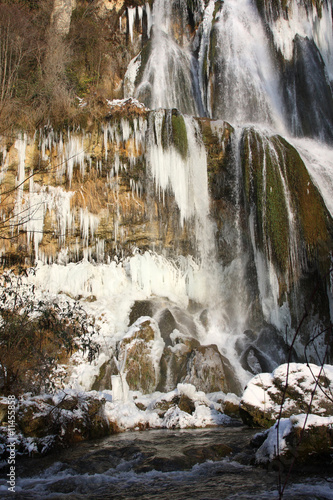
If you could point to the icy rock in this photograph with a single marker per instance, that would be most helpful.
(182, 401)
(33, 418)
(139, 354)
(309, 388)
(305, 438)
(43, 422)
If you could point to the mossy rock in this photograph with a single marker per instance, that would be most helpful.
(136, 351)
(271, 168)
(179, 134)
(314, 442)
(209, 371)
(34, 419)
(257, 418)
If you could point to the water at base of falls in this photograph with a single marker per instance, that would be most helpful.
(163, 465)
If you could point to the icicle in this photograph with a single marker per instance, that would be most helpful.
(88, 225)
(105, 142)
(20, 145)
(303, 20)
(131, 12)
(149, 18)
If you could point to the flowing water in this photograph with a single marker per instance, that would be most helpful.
(171, 464)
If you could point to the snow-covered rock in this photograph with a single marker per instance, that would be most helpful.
(300, 437)
(301, 388)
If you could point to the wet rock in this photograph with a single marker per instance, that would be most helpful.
(167, 324)
(274, 346)
(209, 371)
(141, 308)
(213, 452)
(255, 361)
(185, 322)
(202, 366)
(263, 352)
(173, 364)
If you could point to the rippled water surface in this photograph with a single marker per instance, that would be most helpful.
(164, 464)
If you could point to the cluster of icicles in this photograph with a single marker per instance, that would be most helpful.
(142, 140)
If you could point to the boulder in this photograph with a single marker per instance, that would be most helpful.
(139, 355)
(182, 401)
(141, 308)
(167, 324)
(303, 438)
(263, 352)
(34, 418)
(308, 390)
(202, 366)
(209, 371)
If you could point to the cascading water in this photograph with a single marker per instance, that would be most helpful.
(169, 77)
(197, 217)
(246, 87)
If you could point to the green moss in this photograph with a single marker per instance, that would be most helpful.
(312, 213)
(276, 213)
(266, 193)
(218, 147)
(179, 134)
(264, 190)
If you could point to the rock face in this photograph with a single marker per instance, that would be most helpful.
(61, 15)
(308, 390)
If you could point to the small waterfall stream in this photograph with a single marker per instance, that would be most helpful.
(246, 85)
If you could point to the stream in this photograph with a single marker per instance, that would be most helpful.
(214, 463)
